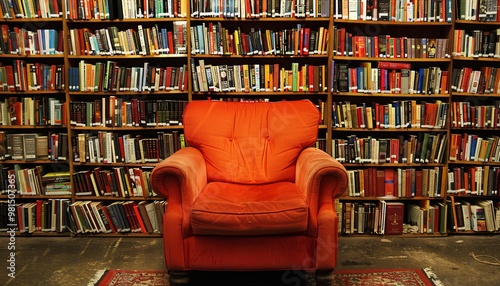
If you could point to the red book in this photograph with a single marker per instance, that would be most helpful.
(409, 175)
(353, 85)
(389, 182)
(394, 214)
(498, 10)
(380, 182)
(394, 147)
(418, 183)
(383, 76)
(366, 179)
(393, 65)
(39, 205)
(106, 182)
(341, 50)
(305, 41)
(444, 82)
(361, 46)
(139, 218)
(276, 77)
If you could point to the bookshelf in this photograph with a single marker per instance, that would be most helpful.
(127, 86)
(33, 107)
(473, 159)
(391, 85)
(390, 102)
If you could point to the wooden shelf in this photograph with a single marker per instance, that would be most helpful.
(127, 128)
(112, 198)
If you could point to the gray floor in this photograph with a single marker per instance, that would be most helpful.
(75, 260)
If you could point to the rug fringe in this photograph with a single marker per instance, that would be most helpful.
(97, 276)
(432, 276)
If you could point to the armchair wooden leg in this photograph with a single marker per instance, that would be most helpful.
(324, 277)
(178, 278)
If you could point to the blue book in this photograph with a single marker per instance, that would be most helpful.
(201, 38)
(52, 41)
(164, 38)
(448, 10)
(473, 143)
(397, 107)
(360, 73)
(420, 81)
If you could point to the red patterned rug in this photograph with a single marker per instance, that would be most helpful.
(406, 277)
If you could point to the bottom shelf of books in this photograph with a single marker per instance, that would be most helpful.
(392, 216)
(463, 214)
(60, 216)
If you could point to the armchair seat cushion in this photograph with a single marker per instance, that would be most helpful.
(233, 209)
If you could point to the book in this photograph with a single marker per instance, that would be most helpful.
(394, 215)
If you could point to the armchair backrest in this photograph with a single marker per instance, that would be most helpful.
(251, 143)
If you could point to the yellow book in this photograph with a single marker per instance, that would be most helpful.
(369, 118)
(236, 42)
(320, 40)
(246, 78)
(267, 77)
(184, 8)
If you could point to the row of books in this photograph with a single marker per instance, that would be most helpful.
(390, 78)
(475, 215)
(21, 41)
(114, 111)
(33, 146)
(111, 147)
(427, 219)
(110, 77)
(213, 39)
(257, 78)
(125, 9)
(471, 147)
(477, 10)
(395, 114)
(60, 215)
(23, 76)
(386, 46)
(33, 111)
(399, 182)
(30, 9)
(38, 216)
(480, 81)
(391, 218)
(474, 180)
(422, 148)
(111, 41)
(465, 115)
(121, 182)
(476, 43)
(118, 217)
(261, 9)
(394, 10)
(35, 182)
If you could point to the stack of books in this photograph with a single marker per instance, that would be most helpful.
(57, 183)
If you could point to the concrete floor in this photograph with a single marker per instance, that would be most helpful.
(75, 260)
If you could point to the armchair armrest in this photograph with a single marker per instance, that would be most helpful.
(180, 177)
(319, 176)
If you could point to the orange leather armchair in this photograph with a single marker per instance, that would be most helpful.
(250, 193)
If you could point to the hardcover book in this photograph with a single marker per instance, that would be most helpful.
(394, 215)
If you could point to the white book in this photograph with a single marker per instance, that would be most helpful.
(353, 10)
